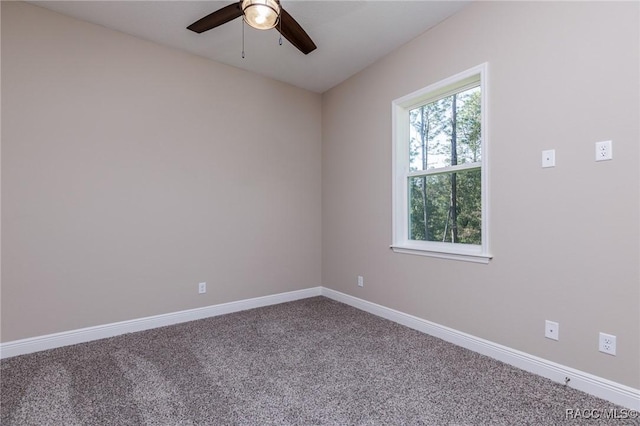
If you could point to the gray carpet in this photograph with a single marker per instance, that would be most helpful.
(309, 362)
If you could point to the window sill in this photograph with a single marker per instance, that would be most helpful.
(464, 257)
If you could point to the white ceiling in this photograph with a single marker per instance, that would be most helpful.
(350, 35)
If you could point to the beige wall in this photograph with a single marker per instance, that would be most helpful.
(565, 241)
(131, 172)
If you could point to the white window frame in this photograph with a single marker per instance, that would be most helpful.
(401, 172)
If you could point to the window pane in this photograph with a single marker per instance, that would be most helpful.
(446, 207)
(446, 132)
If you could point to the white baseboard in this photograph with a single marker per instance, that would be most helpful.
(606, 389)
(72, 337)
(594, 385)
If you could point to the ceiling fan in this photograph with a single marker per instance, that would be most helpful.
(260, 14)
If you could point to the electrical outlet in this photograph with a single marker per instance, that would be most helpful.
(360, 281)
(551, 330)
(604, 151)
(202, 288)
(607, 343)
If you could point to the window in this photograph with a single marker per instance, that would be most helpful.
(440, 169)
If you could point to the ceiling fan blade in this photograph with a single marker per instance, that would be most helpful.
(217, 18)
(293, 32)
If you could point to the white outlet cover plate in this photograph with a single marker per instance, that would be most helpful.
(604, 151)
(607, 343)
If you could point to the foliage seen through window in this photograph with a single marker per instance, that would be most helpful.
(445, 169)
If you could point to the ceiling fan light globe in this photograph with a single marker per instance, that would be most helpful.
(261, 14)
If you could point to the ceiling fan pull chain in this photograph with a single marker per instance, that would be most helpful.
(280, 23)
(243, 39)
